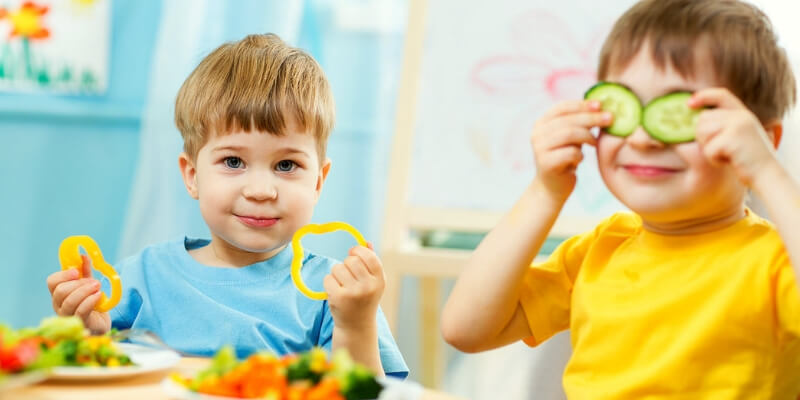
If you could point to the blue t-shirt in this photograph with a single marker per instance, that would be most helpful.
(197, 309)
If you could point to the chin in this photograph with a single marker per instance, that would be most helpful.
(659, 208)
(259, 247)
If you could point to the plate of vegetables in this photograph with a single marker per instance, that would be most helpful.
(98, 358)
(27, 355)
(60, 348)
(312, 375)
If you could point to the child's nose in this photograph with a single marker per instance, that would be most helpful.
(640, 139)
(260, 187)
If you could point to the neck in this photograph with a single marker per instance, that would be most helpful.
(220, 253)
(693, 226)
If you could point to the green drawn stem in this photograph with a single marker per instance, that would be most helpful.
(26, 54)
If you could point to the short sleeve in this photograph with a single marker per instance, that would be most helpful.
(547, 288)
(787, 296)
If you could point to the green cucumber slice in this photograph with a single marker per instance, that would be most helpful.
(620, 102)
(669, 119)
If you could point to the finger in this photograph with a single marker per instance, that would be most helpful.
(370, 246)
(587, 119)
(716, 153)
(343, 275)
(565, 136)
(715, 97)
(86, 307)
(64, 289)
(358, 268)
(562, 159)
(369, 259)
(87, 266)
(331, 285)
(710, 124)
(77, 296)
(571, 107)
(60, 277)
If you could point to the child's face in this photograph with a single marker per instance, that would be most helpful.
(256, 189)
(661, 182)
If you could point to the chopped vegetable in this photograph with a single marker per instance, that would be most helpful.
(309, 376)
(57, 341)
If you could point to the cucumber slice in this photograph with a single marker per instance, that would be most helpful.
(619, 101)
(669, 119)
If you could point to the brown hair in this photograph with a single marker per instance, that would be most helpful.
(738, 37)
(255, 83)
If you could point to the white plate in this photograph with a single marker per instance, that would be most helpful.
(394, 389)
(147, 359)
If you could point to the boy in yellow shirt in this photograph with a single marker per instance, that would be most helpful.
(692, 295)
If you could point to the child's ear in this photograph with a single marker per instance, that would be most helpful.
(774, 130)
(323, 174)
(189, 174)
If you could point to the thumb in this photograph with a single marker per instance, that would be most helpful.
(87, 266)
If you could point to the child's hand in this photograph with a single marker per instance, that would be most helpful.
(730, 134)
(557, 138)
(73, 295)
(354, 289)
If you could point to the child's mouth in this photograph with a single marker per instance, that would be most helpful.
(648, 171)
(257, 222)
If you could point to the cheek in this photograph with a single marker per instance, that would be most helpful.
(607, 148)
(299, 194)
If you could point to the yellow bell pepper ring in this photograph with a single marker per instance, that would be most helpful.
(70, 257)
(297, 252)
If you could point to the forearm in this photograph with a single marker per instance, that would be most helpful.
(361, 344)
(781, 196)
(486, 295)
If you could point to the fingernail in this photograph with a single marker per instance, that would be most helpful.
(73, 273)
(607, 116)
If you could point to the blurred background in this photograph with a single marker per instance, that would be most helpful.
(89, 145)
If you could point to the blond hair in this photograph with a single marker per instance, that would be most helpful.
(737, 36)
(257, 83)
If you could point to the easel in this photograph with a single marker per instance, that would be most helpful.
(401, 254)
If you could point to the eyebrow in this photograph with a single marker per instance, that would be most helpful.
(292, 150)
(225, 148)
(282, 151)
(678, 88)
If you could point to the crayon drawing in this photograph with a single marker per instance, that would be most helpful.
(488, 73)
(54, 46)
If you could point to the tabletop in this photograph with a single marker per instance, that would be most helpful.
(146, 386)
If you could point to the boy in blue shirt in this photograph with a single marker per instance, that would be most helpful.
(255, 116)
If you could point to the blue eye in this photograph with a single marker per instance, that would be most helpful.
(233, 162)
(286, 166)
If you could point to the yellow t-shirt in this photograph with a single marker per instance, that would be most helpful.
(708, 316)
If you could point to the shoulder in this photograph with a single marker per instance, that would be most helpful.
(620, 224)
(761, 233)
(759, 226)
(157, 253)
